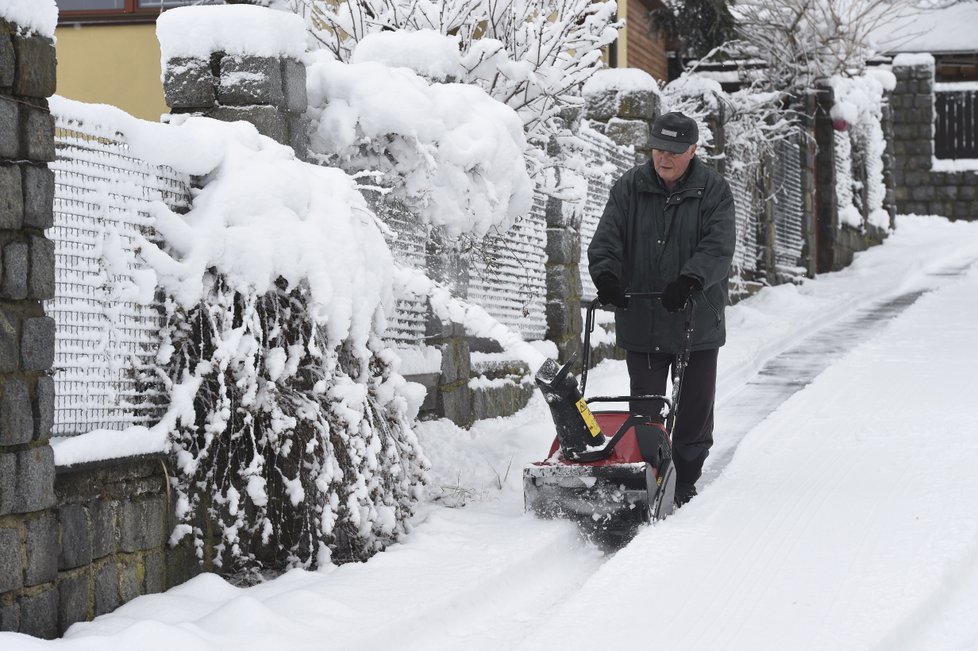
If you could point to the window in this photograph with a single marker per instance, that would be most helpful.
(92, 11)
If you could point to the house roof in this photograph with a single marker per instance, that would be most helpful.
(945, 30)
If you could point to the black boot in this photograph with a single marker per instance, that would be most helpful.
(684, 493)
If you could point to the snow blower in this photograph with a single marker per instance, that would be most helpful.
(609, 471)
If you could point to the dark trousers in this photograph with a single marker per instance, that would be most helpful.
(692, 434)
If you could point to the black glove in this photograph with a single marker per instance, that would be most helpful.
(610, 291)
(677, 293)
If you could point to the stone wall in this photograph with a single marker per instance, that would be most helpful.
(74, 542)
(268, 92)
(918, 188)
(28, 529)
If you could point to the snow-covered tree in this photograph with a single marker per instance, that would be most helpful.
(532, 55)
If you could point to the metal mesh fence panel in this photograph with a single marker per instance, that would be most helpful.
(406, 327)
(788, 222)
(741, 185)
(105, 342)
(508, 277)
(606, 162)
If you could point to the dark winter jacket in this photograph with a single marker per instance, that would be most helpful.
(647, 237)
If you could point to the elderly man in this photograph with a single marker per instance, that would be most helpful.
(669, 227)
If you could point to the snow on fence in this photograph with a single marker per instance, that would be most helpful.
(606, 161)
(105, 341)
(509, 278)
(746, 253)
(789, 230)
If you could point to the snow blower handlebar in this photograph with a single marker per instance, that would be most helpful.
(680, 366)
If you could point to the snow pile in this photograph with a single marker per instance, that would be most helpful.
(426, 52)
(532, 56)
(859, 105)
(235, 29)
(35, 16)
(447, 151)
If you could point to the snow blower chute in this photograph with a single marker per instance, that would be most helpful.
(610, 471)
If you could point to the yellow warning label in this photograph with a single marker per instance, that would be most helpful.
(588, 417)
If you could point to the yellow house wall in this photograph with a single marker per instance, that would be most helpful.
(112, 64)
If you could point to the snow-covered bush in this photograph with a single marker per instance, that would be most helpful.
(858, 108)
(446, 151)
(292, 427)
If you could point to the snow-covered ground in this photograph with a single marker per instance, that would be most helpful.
(835, 514)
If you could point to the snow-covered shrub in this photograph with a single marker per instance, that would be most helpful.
(289, 421)
(445, 151)
(858, 108)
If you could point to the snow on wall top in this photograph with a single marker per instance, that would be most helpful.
(198, 31)
(631, 79)
(947, 29)
(38, 16)
(426, 52)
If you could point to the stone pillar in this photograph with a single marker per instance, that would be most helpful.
(453, 397)
(268, 92)
(912, 111)
(624, 114)
(28, 528)
(826, 208)
(564, 289)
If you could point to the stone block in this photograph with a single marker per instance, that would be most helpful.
(42, 550)
(9, 336)
(500, 401)
(36, 66)
(35, 480)
(633, 133)
(294, 85)
(562, 320)
(37, 133)
(43, 407)
(38, 196)
(181, 564)
(16, 415)
(106, 589)
(638, 104)
(154, 573)
(40, 280)
(142, 524)
(563, 282)
(130, 586)
(39, 614)
(456, 405)
(37, 344)
(563, 246)
(11, 197)
(11, 571)
(188, 84)
(10, 617)
(103, 517)
(8, 482)
(269, 120)
(298, 138)
(73, 592)
(76, 542)
(16, 269)
(455, 361)
(601, 106)
(7, 61)
(9, 129)
(249, 80)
